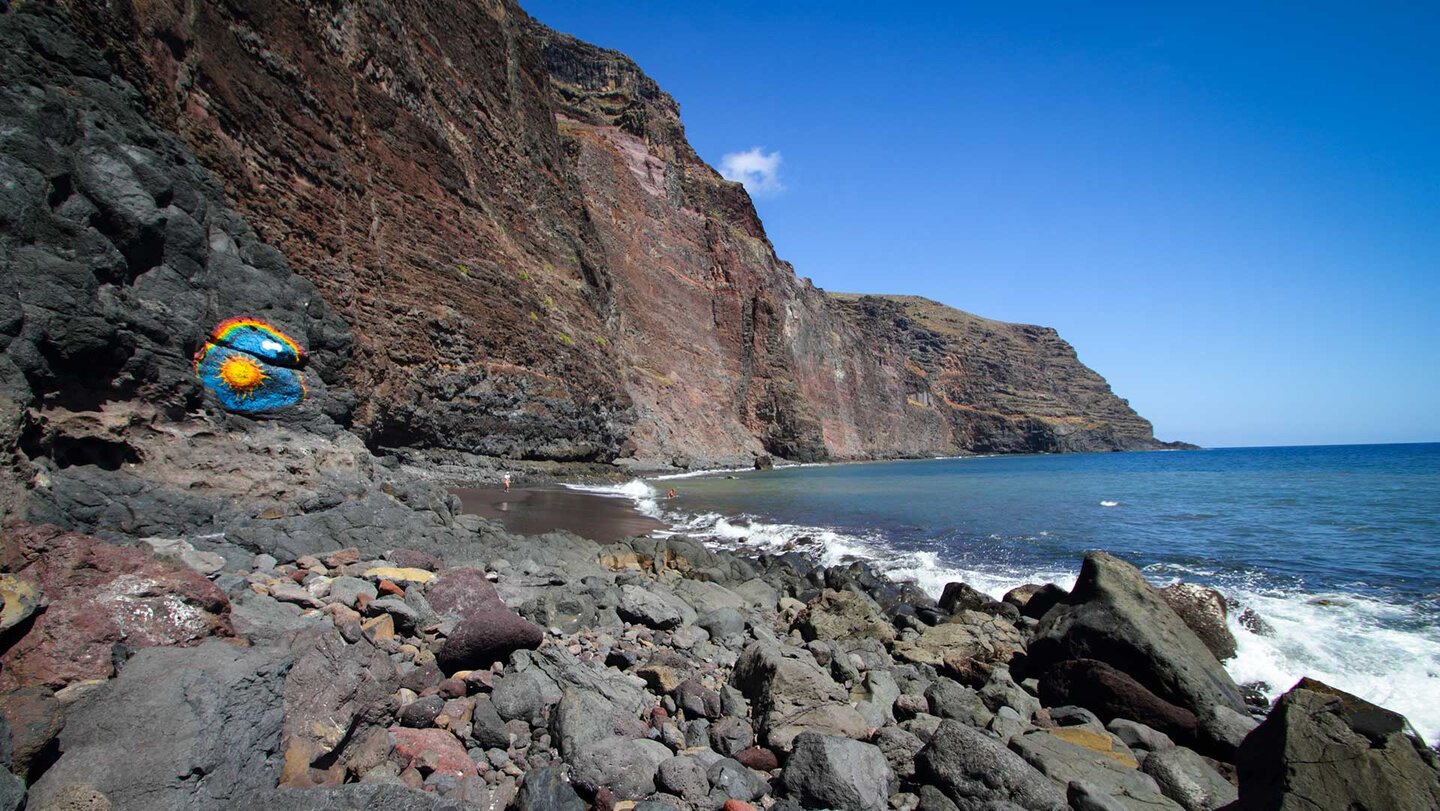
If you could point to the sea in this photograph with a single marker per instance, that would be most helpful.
(1335, 548)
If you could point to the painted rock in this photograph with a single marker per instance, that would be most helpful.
(252, 367)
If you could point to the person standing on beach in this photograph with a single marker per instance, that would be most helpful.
(505, 480)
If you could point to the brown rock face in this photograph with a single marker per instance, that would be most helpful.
(536, 264)
(100, 595)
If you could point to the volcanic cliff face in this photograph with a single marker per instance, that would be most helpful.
(534, 262)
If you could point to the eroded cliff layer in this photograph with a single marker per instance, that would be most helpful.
(535, 264)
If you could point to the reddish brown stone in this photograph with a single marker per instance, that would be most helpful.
(413, 559)
(431, 750)
(344, 557)
(34, 717)
(487, 637)
(100, 595)
(605, 800)
(453, 688)
(388, 587)
(758, 758)
(737, 805)
(461, 592)
(299, 575)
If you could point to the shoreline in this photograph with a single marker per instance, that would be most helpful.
(538, 510)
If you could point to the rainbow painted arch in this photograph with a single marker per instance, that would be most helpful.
(251, 367)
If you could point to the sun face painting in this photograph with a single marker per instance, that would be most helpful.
(251, 367)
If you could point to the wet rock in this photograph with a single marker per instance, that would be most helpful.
(732, 779)
(487, 636)
(829, 772)
(1187, 779)
(165, 733)
(546, 790)
(1204, 610)
(1035, 601)
(844, 615)
(1324, 748)
(1113, 610)
(100, 595)
(974, 770)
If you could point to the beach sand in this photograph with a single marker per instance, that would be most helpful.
(535, 510)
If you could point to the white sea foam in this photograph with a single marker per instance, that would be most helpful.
(1358, 644)
(1109, 504)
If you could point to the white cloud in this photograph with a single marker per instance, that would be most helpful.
(757, 169)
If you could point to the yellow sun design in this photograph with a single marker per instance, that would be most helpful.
(242, 375)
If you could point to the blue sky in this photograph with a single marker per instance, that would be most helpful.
(1232, 212)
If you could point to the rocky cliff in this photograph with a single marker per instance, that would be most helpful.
(531, 262)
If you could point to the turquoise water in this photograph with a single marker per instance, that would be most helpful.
(1337, 548)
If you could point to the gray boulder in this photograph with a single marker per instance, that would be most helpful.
(626, 766)
(789, 696)
(1187, 779)
(977, 772)
(347, 590)
(165, 734)
(950, 699)
(12, 791)
(1099, 764)
(580, 719)
(1114, 616)
(734, 780)
(829, 772)
(1322, 748)
(355, 797)
(546, 790)
(684, 777)
(653, 608)
(336, 697)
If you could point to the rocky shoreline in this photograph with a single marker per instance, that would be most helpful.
(551, 672)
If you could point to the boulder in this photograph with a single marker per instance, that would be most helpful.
(1035, 601)
(1114, 616)
(825, 771)
(684, 777)
(1111, 694)
(975, 771)
(20, 598)
(1139, 736)
(100, 595)
(788, 696)
(730, 735)
(734, 780)
(356, 797)
(12, 792)
(32, 719)
(899, 748)
(546, 790)
(422, 712)
(1323, 748)
(949, 699)
(1078, 754)
(165, 734)
(626, 766)
(844, 615)
(706, 597)
(959, 597)
(347, 590)
(969, 636)
(1187, 779)
(336, 696)
(653, 608)
(485, 637)
(431, 751)
(461, 592)
(1204, 610)
(582, 718)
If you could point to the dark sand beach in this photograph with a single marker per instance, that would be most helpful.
(535, 510)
